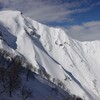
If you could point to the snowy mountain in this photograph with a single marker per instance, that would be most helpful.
(73, 63)
(20, 83)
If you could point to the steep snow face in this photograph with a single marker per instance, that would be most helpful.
(74, 63)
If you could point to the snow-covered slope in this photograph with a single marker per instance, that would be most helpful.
(74, 63)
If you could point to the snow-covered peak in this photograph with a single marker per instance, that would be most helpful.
(5, 15)
(75, 64)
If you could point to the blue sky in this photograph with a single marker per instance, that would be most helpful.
(77, 17)
(91, 13)
(56, 12)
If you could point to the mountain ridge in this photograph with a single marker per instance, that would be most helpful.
(52, 50)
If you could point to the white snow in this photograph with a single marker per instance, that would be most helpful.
(56, 52)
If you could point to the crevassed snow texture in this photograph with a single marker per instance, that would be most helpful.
(53, 50)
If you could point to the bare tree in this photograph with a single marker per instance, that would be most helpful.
(46, 75)
(28, 74)
(26, 93)
(2, 76)
(40, 72)
(60, 84)
(13, 81)
(10, 78)
(53, 80)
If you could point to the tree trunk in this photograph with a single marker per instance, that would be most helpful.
(10, 88)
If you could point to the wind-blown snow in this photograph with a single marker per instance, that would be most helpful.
(53, 50)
